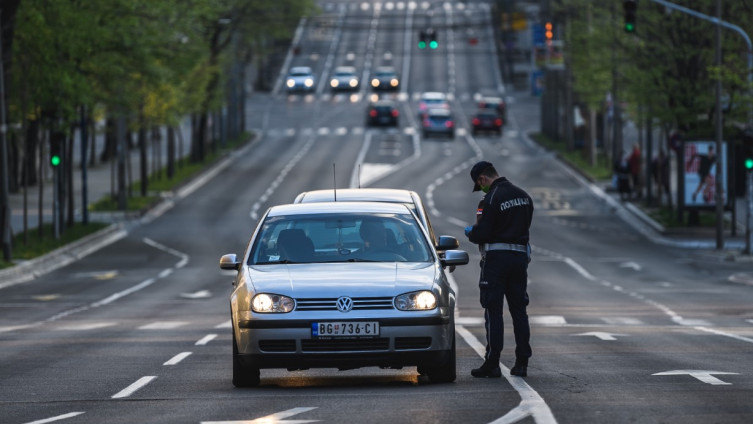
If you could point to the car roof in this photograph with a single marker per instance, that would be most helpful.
(300, 69)
(433, 95)
(438, 112)
(343, 69)
(486, 99)
(316, 208)
(384, 102)
(385, 69)
(357, 194)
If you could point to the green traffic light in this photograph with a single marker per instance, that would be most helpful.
(433, 44)
(749, 163)
(629, 27)
(422, 44)
(55, 160)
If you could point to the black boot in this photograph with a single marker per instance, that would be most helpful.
(490, 369)
(520, 368)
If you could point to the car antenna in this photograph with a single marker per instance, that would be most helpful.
(334, 180)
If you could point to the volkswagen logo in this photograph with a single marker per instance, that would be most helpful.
(344, 304)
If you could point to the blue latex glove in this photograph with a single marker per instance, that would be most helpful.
(468, 231)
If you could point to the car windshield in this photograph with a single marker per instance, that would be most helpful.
(328, 238)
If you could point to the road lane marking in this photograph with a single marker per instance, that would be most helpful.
(278, 417)
(128, 391)
(163, 325)
(531, 403)
(704, 376)
(206, 339)
(175, 360)
(601, 335)
(57, 418)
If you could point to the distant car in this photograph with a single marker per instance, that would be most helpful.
(438, 121)
(300, 79)
(494, 103)
(432, 100)
(344, 79)
(382, 113)
(486, 120)
(385, 79)
(341, 285)
(409, 198)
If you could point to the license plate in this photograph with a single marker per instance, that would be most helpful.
(345, 329)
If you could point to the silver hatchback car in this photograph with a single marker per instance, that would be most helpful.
(342, 285)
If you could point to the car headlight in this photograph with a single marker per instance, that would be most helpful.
(272, 303)
(416, 301)
(334, 83)
(353, 82)
(309, 82)
(375, 82)
(394, 82)
(291, 83)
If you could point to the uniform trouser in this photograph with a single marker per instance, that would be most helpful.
(504, 274)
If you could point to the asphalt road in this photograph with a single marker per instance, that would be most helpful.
(623, 330)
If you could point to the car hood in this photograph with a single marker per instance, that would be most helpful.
(342, 279)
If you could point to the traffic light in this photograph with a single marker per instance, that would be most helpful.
(427, 37)
(56, 148)
(749, 164)
(548, 32)
(630, 7)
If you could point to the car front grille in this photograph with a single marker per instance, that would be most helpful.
(406, 343)
(337, 345)
(330, 304)
(277, 345)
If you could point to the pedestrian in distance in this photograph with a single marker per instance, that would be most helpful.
(634, 162)
(502, 232)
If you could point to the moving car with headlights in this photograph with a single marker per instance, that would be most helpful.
(341, 285)
(438, 121)
(382, 113)
(300, 79)
(486, 120)
(344, 79)
(385, 79)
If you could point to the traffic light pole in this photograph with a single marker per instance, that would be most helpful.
(749, 202)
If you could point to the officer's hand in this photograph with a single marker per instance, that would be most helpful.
(468, 231)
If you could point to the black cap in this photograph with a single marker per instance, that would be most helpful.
(476, 171)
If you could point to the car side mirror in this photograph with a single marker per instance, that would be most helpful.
(447, 243)
(454, 257)
(230, 261)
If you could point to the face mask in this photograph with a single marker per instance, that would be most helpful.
(485, 189)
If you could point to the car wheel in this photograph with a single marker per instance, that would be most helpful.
(446, 370)
(244, 375)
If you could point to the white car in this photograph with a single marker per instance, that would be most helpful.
(432, 100)
(342, 285)
(300, 79)
(344, 79)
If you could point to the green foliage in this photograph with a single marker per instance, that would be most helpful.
(667, 63)
(37, 246)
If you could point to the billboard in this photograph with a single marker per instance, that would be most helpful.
(700, 162)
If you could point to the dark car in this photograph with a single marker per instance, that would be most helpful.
(385, 78)
(382, 113)
(438, 121)
(495, 104)
(486, 120)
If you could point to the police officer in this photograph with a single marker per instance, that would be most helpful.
(501, 231)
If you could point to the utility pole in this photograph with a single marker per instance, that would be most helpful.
(719, 198)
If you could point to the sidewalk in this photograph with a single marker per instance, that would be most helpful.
(100, 178)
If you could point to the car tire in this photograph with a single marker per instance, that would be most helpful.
(244, 375)
(446, 370)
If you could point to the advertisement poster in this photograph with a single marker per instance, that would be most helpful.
(700, 164)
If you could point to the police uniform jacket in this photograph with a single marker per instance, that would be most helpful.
(504, 215)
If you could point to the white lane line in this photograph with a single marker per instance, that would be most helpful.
(206, 339)
(128, 391)
(163, 325)
(57, 418)
(531, 403)
(175, 360)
